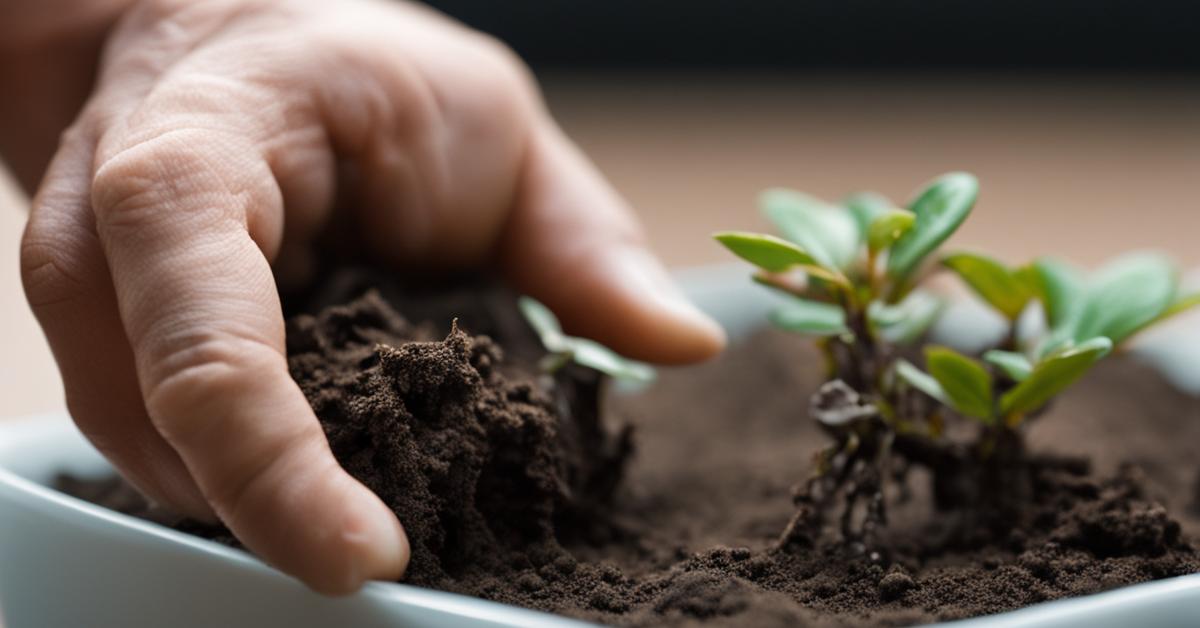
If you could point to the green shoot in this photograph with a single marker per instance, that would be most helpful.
(563, 349)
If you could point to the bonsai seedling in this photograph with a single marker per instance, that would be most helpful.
(854, 274)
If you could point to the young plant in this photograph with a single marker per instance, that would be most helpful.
(853, 273)
(562, 349)
(601, 452)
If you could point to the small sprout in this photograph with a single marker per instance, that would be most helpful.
(1006, 289)
(563, 349)
(810, 317)
(826, 232)
(1015, 365)
(597, 357)
(940, 208)
(968, 385)
(545, 324)
(1050, 376)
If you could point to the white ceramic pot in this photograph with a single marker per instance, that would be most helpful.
(65, 563)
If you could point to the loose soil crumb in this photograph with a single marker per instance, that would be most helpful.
(506, 495)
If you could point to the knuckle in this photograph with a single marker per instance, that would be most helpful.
(197, 371)
(181, 170)
(48, 282)
(129, 184)
(170, 168)
(49, 273)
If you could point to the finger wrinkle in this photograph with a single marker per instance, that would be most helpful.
(188, 174)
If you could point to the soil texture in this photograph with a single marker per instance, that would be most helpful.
(523, 488)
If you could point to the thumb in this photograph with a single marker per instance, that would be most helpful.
(575, 245)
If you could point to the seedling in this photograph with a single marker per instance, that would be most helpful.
(580, 395)
(853, 275)
(562, 349)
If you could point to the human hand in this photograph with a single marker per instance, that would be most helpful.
(222, 138)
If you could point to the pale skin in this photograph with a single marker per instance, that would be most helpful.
(182, 178)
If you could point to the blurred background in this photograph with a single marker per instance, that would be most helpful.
(1081, 119)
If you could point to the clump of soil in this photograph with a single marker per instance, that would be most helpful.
(434, 430)
(511, 488)
(482, 465)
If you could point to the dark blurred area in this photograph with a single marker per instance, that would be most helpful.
(1048, 35)
(1075, 114)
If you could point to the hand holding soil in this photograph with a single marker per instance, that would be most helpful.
(217, 146)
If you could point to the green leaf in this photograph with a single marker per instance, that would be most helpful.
(940, 209)
(544, 323)
(995, 283)
(768, 252)
(865, 207)
(826, 232)
(967, 384)
(921, 380)
(888, 227)
(1061, 288)
(907, 321)
(596, 356)
(810, 317)
(1015, 365)
(586, 352)
(1126, 295)
(1053, 374)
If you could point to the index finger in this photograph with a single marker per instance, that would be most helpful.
(183, 217)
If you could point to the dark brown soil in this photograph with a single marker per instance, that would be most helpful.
(508, 497)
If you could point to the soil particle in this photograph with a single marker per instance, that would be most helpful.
(507, 494)
(895, 585)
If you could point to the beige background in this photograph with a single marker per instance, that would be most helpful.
(1078, 169)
